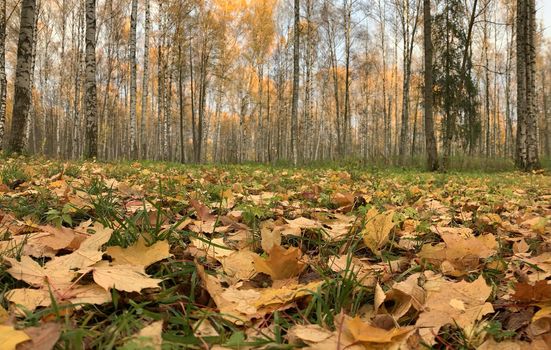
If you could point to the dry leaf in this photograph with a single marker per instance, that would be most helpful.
(239, 265)
(304, 223)
(366, 333)
(377, 230)
(270, 238)
(308, 334)
(10, 337)
(31, 272)
(241, 306)
(126, 278)
(78, 294)
(87, 254)
(43, 337)
(150, 337)
(215, 248)
(528, 293)
(281, 264)
(203, 328)
(139, 254)
(460, 303)
(459, 254)
(3, 315)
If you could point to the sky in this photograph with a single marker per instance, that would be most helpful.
(544, 13)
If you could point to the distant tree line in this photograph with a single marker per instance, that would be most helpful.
(265, 81)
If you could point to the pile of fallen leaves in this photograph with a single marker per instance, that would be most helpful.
(253, 257)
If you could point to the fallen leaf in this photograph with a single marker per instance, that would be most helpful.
(10, 337)
(281, 264)
(139, 254)
(446, 302)
(31, 272)
(215, 248)
(149, 337)
(459, 254)
(240, 265)
(528, 293)
(3, 315)
(377, 230)
(243, 305)
(311, 333)
(126, 278)
(269, 238)
(43, 337)
(366, 333)
(87, 254)
(79, 294)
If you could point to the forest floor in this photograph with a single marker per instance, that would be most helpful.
(158, 255)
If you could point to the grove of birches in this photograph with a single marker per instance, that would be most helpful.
(392, 81)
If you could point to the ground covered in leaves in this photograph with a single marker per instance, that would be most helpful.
(156, 255)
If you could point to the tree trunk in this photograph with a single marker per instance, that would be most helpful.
(294, 107)
(145, 83)
(527, 146)
(91, 149)
(22, 96)
(133, 79)
(347, 141)
(430, 139)
(3, 78)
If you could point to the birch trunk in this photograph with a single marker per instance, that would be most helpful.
(3, 79)
(133, 79)
(90, 99)
(22, 96)
(145, 82)
(294, 106)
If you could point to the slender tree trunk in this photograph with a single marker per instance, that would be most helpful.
(192, 96)
(3, 78)
(22, 96)
(294, 107)
(133, 79)
(347, 45)
(91, 149)
(181, 93)
(430, 139)
(527, 157)
(145, 83)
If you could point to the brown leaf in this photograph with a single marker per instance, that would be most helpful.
(281, 264)
(43, 337)
(87, 254)
(528, 293)
(202, 211)
(460, 303)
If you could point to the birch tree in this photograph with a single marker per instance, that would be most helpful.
(23, 93)
(90, 100)
(133, 78)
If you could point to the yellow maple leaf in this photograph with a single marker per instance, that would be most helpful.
(366, 333)
(139, 254)
(127, 278)
(281, 264)
(10, 337)
(377, 230)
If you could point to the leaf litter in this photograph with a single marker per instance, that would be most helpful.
(253, 257)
